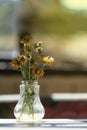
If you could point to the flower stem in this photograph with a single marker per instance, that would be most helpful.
(29, 69)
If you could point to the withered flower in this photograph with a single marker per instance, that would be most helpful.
(25, 39)
(22, 58)
(15, 64)
(31, 61)
(38, 72)
(38, 47)
(48, 60)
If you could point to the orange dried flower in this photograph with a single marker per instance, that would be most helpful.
(31, 61)
(25, 39)
(48, 60)
(38, 72)
(22, 58)
(15, 64)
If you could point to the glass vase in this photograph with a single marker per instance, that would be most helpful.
(29, 106)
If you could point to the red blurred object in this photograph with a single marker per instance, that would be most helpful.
(67, 110)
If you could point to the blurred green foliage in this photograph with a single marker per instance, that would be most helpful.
(53, 17)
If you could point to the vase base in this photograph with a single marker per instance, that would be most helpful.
(30, 118)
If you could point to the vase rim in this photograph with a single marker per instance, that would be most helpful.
(25, 81)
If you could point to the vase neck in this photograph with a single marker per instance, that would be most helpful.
(25, 86)
(26, 82)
